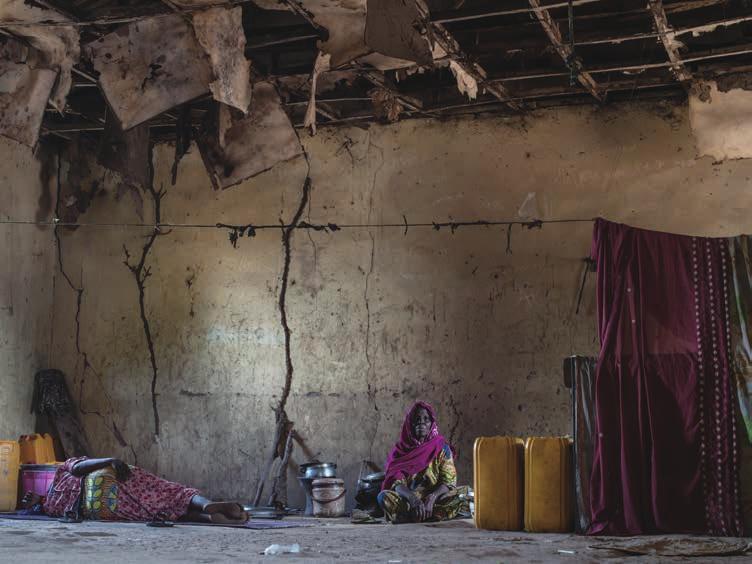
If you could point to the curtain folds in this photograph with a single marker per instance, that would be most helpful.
(665, 450)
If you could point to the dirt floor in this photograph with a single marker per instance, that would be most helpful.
(327, 541)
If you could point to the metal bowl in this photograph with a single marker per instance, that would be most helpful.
(264, 512)
(315, 470)
(375, 477)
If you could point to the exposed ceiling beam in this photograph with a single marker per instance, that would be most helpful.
(322, 108)
(378, 79)
(452, 16)
(670, 44)
(726, 52)
(449, 44)
(566, 52)
(459, 17)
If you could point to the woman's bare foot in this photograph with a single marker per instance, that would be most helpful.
(229, 509)
(30, 499)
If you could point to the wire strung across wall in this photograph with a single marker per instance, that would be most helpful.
(236, 232)
(405, 225)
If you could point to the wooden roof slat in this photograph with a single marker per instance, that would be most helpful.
(566, 52)
(669, 41)
(454, 51)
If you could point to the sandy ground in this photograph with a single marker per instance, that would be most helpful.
(327, 541)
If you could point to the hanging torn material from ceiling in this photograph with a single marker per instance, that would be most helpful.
(345, 20)
(465, 83)
(220, 33)
(386, 105)
(321, 65)
(235, 147)
(150, 66)
(58, 45)
(24, 91)
(126, 152)
(722, 126)
(393, 29)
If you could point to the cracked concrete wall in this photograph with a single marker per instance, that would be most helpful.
(26, 281)
(378, 318)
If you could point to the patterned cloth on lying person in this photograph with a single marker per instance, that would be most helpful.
(109, 489)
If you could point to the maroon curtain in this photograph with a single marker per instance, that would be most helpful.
(665, 453)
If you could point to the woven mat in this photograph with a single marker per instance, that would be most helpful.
(250, 524)
(678, 546)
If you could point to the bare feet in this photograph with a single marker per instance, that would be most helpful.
(30, 499)
(228, 509)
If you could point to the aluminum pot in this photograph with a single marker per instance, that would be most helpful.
(371, 480)
(314, 470)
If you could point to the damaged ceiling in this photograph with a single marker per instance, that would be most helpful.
(67, 67)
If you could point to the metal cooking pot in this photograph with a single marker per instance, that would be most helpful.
(375, 477)
(313, 470)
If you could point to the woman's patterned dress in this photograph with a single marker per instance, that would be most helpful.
(441, 470)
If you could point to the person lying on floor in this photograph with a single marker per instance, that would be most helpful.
(115, 491)
(420, 482)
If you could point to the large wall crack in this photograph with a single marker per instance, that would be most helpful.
(283, 427)
(141, 272)
(370, 387)
(78, 290)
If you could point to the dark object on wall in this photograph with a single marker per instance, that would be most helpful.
(126, 152)
(51, 399)
(665, 454)
(579, 376)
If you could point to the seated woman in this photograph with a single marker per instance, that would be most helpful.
(108, 489)
(421, 482)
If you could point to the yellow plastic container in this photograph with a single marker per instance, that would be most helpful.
(549, 506)
(9, 463)
(36, 449)
(498, 477)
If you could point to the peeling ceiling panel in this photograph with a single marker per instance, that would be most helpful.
(346, 36)
(345, 20)
(58, 45)
(220, 33)
(722, 126)
(126, 152)
(384, 63)
(236, 147)
(24, 91)
(392, 31)
(150, 66)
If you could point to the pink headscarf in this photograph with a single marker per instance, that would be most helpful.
(408, 456)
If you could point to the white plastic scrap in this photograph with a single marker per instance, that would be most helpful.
(275, 549)
(465, 83)
(529, 207)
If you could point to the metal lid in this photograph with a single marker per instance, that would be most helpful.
(321, 465)
(328, 482)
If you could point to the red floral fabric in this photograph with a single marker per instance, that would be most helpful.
(65, 489)
(142, 497)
